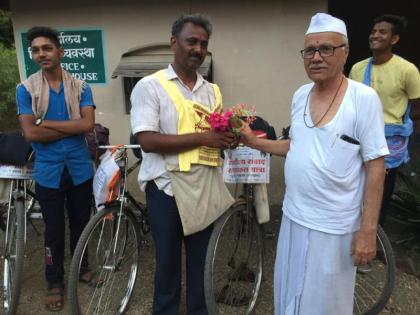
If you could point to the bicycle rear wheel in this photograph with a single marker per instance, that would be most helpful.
(375, 282)
(110, 242)
(233, 270)
(14, 249)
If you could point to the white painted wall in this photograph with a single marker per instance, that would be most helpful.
(255, 48)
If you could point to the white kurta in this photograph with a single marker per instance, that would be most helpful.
(325, 175)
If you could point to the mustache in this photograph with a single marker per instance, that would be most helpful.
(316, 66)
(196, 55)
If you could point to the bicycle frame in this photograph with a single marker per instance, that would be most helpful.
(18, 190)
(14, 241)
(123, 194)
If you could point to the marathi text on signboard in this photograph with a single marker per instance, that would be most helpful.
(246, 165)
(83, 55)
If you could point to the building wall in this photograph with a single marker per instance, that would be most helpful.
(255, 48)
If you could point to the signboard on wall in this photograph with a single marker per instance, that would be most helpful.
(83, 55)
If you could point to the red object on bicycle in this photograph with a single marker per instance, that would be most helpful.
(259, 134)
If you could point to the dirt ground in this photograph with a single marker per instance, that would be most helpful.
(405, 299)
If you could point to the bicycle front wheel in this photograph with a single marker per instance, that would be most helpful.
(109, 249)
(14, 249)
(375, 281)
(233, 270)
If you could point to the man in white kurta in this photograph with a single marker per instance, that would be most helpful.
(333, 173)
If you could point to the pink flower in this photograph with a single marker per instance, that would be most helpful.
(223, 122)
(228, 114)
(219, 122)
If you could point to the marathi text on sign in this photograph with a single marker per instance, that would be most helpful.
(246, 165)
(83, 55)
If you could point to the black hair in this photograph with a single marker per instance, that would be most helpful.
(196, 19)
(399, 23)
(43, 31)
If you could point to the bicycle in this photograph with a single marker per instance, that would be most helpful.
(234, 262)
(374, 286)
(233, 270)
(20, 205)
(235, 256)
(111, 243)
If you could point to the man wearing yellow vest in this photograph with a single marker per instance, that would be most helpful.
(397, 83)
(180, 170)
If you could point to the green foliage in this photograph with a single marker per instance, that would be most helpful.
(9, 74)
(9, 78)
(6, 29)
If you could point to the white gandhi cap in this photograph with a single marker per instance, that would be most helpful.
(322, 22)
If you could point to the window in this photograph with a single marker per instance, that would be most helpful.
(142, 61)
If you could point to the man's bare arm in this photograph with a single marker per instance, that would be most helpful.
(84, 124)
(364, 240)
(172, 144)
(33, 133)
(276, 147)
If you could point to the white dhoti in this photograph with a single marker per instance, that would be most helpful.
(314, 272)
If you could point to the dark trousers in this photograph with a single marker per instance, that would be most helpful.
(168, 236)
(390, 177)
(78, 201)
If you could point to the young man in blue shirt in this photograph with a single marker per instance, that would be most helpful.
(55, 111)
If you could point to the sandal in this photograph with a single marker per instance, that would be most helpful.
(54, 301)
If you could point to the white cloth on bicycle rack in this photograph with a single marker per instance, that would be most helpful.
(4, 190)
(201, 196)
(314, 273)
(106, 180)
(262, 208)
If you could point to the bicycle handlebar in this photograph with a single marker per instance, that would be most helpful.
(120, 146)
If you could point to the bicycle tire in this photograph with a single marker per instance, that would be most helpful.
(29, 204)
(108, 264)
(383, 264)
(16, 239)
(235, 246)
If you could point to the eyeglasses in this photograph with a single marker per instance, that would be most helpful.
(324, 51)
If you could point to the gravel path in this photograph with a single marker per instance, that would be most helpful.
(405, 299)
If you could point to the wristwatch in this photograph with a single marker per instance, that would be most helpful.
(38, 121)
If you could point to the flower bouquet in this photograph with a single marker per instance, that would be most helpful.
(233, 119)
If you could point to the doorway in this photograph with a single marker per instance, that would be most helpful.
(358, 16)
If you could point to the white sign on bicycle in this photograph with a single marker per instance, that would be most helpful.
(15, 172)
(105, 179)
(246, 165)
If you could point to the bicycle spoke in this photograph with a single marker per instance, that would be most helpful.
(13, 252)
(103, 278)
(357, 298)
(374, 284)
(114, 244)
(369, 284)
(107, 269)
(366, 292)
(236, 264)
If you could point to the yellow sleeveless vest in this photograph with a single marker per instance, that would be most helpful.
(192, 118)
